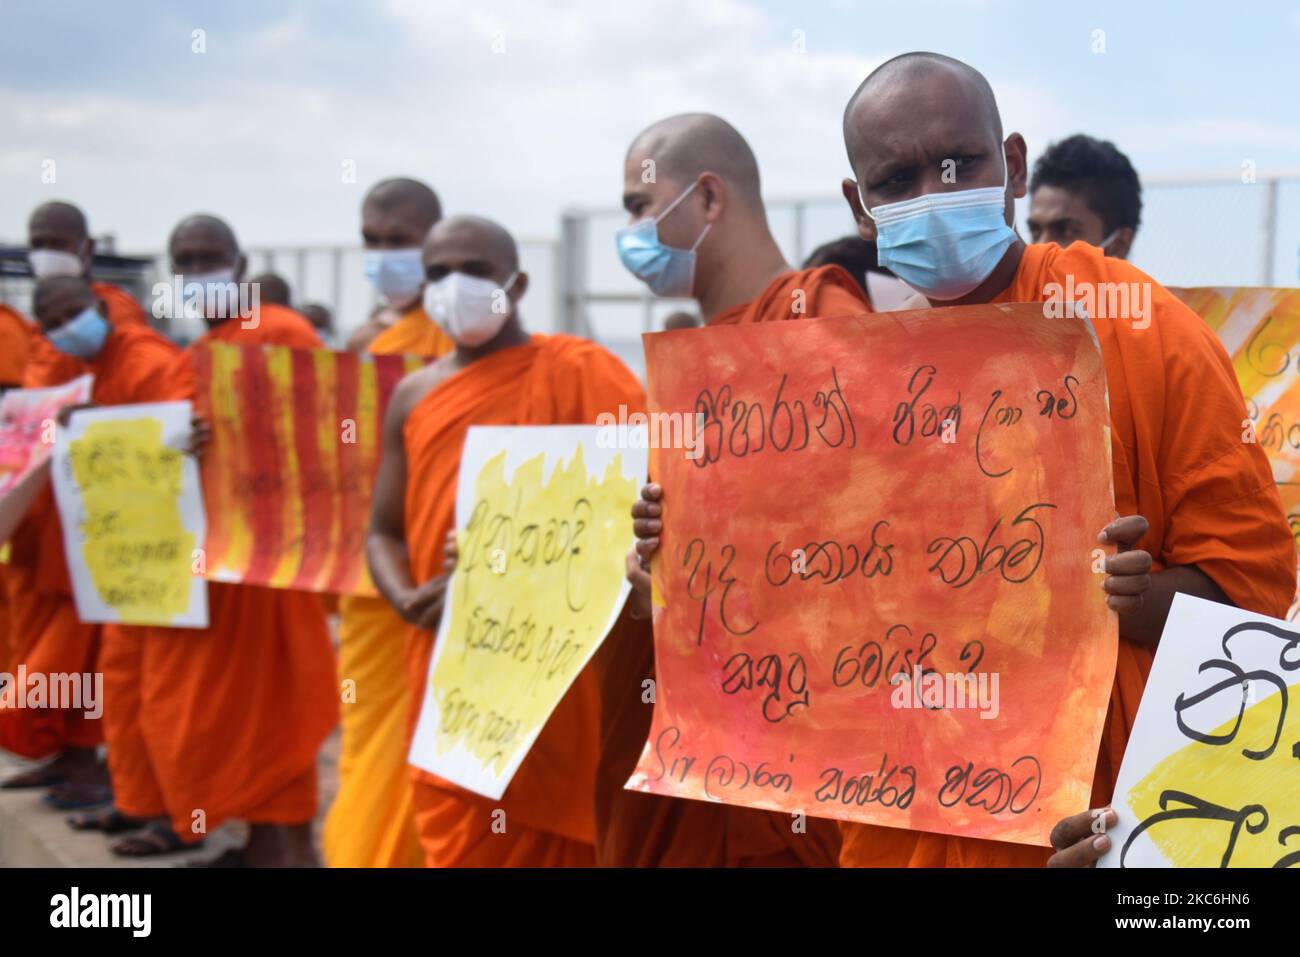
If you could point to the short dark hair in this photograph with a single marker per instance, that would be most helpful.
(1098, 172)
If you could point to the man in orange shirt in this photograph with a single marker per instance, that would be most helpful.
(1200, 512)
(371, 823)
(225, 721)
(498, 374)
(699, 229)
(131, 363)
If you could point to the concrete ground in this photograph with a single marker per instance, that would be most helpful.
(34, 835)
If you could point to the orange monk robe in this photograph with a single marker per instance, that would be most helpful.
(372, 822)
(1176, 415)
(549, 818)
(48, 364)
(228, 719)
(648, 830)
(46, 635)
(15, 334)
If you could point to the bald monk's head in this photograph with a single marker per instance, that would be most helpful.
(473, 281)
(398, 213)
(59, 239)
(926, 123)
(320, 317)
(274, 288)
(204, 252)
(70, 315)
(705, 155)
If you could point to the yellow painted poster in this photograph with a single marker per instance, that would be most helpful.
(544, 524)
(132, 513)
(1211, 777)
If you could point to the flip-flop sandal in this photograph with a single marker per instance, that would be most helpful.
(112, 821)
(157, 839)
(75, 797)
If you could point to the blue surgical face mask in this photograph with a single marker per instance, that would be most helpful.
(82, 336)
(944, 245)
(396, 274)
(669, 272)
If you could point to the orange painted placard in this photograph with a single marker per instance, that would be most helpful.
(287, 480)
(907, 496)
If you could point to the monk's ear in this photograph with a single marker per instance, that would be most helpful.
(519, 287)
(241, 266)
(866, 226)
(714, 191)
(90, 252)
(1122, 243)
(1017, 154)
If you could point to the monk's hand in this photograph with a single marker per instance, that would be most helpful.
(647, 523)
(65, 413)
(200, 436)
(1128, 571)
(1081, 840)
(450, 553)
(422, 606)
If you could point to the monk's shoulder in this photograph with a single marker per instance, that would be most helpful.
(364, 337)
(832, 291)
(415, 386)
(576, 356)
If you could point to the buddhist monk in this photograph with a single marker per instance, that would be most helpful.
(372, 823)
(1085, 189)
(228, 719)
(131, 363)
(498, 374)
(395, 218)
(681, 320)
(273, 288)
(60, 244)
(1199, 512)
(698, 229)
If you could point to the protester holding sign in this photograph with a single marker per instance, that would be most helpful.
(130, 363)
(497, 375)
(1199, 512)
(228, 718)
(699, 229)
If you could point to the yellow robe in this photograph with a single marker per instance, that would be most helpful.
(371, 822)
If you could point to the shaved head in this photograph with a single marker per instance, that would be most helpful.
(61, 227)
(890, 81)
(61, 217)
(398, 213)
(684, 146)
(487, 240)
(212, 229)
(273, 288)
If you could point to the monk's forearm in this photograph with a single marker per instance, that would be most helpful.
(1145, 625)
(390, 567)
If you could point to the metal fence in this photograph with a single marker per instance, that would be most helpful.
(1195, 231)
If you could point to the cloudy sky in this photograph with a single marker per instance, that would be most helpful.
(520, 108)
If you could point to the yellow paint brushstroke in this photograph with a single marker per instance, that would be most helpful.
(547, 557)
(1221, 775)
(134, 542)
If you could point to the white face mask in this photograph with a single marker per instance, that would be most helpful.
(471, 310)
(48, 263)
